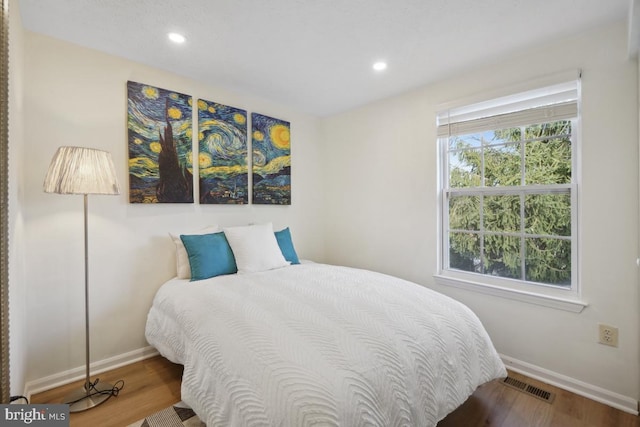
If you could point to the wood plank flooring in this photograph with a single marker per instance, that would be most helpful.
(149, 386)
(154, 384)
(497, 405)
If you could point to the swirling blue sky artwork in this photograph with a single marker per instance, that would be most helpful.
(160, 131)
(271, 155)
(222, 156)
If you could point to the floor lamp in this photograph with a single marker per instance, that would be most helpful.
(79, 170)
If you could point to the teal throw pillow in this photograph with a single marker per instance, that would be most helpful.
(209, 255)
(286, 246)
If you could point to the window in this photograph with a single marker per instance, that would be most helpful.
(508, 190)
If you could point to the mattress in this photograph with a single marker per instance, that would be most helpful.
(320, 345)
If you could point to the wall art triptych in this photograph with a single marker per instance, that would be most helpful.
(160, 140)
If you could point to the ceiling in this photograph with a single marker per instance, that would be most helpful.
(316, 55)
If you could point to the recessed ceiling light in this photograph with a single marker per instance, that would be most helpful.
(380, 65)
(176, 38)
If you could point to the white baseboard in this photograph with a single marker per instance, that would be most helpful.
(590, 391)
(98, 367)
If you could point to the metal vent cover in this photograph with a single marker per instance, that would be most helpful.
(531, 390)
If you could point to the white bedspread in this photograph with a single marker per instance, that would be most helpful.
(314, 344)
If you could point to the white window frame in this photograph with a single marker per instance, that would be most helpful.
(498, 112)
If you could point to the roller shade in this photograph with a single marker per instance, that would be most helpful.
(552, 103)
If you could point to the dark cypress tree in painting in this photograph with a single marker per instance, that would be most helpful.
(175, 184)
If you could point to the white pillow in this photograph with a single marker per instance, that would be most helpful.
(255, 248)
(183, 269)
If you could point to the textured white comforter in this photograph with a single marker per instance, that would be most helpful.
(314, 344)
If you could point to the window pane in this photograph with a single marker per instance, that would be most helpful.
(464, 252)
(548, 214)
(503, 136)
(502, 213)
(548, 261)
(464, 213)
(502, 256)
(459, 142)
(548, 161)
(502, 165)
(464, 168)
(562, 127)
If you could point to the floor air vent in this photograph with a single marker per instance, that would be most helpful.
(539, 393)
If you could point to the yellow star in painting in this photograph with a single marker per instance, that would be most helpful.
(280, 136)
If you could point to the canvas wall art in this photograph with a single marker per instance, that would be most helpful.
(271, 157)
(222, 154)
(160, 145)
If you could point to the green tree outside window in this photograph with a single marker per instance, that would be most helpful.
(519, 233)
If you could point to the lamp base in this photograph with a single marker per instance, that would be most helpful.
(79, 400)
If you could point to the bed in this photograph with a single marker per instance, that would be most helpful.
(322, 345)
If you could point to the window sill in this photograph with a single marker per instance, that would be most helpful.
(566, 304)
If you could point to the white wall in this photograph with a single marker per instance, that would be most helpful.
(17, 292)
(77, 96)
(382, 205)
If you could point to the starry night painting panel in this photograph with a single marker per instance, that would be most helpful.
(271, 160)
(159, 126)
(222, 155)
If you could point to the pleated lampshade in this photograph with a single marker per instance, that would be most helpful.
(80, 170)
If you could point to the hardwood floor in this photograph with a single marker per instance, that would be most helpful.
(149, 386)
(154, 384)
(494, 404)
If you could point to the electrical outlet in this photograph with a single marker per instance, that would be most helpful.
(608, 335)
